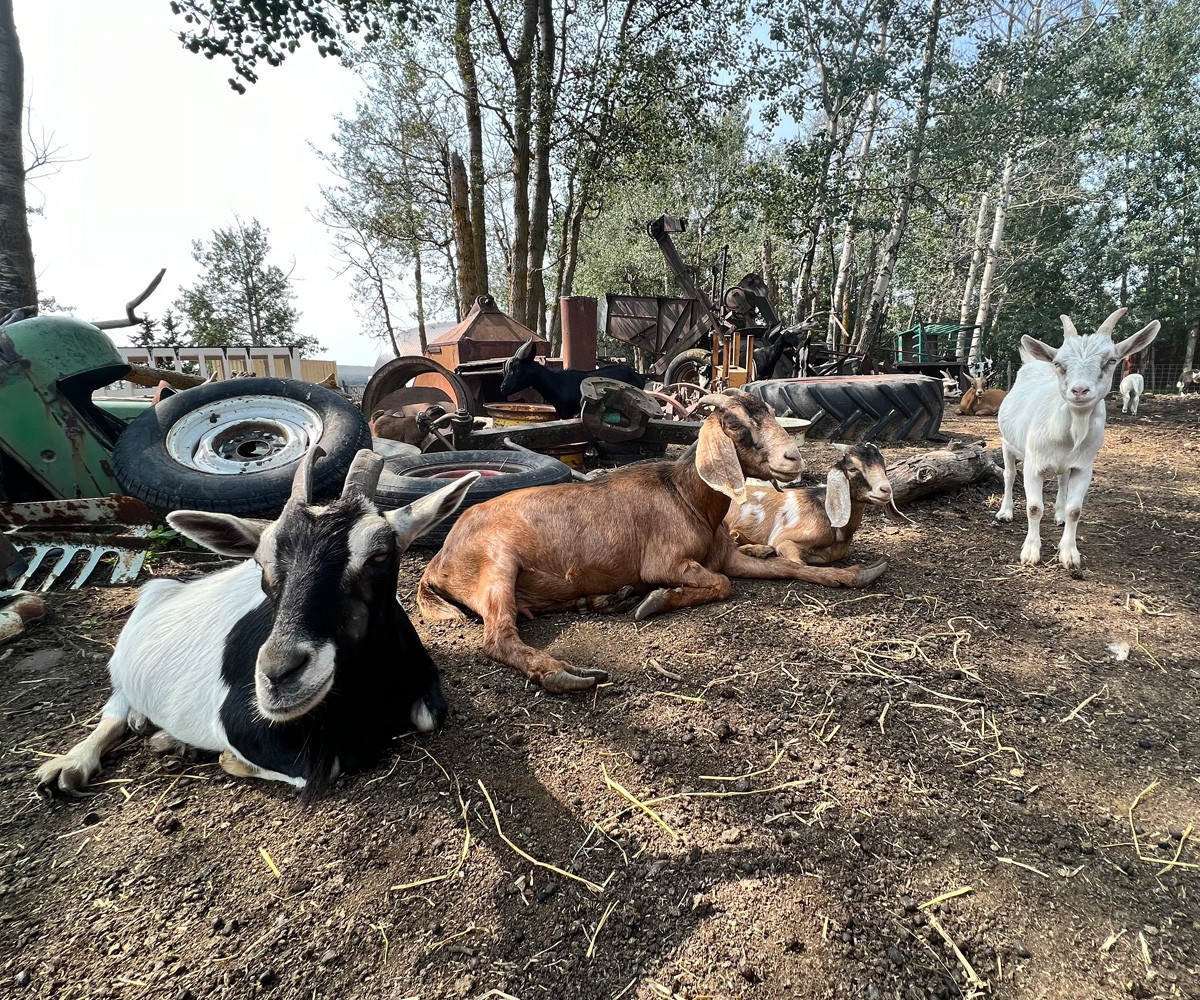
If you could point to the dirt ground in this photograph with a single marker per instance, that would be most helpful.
(973, 779)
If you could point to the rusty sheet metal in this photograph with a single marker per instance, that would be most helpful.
(85, 513)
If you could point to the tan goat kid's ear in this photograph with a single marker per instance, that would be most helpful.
(837, 498)
(717, 461)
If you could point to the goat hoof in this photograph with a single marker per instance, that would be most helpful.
(654, 602)
(1031, 555)
(62, 775)
(869, 574)
(757, 551)
(1004, 516)
(565, 681)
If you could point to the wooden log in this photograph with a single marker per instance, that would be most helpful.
(150, 377)
(958, 464)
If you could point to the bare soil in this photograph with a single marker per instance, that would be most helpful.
(954, 784)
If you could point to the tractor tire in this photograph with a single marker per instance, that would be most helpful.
(878, 408)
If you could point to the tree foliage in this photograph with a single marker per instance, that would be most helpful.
(240, 299)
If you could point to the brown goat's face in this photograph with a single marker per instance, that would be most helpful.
(867, 473)
(764, 449)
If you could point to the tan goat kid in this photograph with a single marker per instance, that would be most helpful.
(655, 527)
(980, 401)
(815, 524)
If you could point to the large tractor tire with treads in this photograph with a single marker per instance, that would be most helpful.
(879, 408)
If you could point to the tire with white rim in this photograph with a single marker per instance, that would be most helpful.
(232, 446)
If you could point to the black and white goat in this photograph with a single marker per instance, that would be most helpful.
(296, 665)
(561, 389)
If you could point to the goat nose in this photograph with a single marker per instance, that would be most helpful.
(885, 490)
(1081, 390)
(792, 454)
(283, 668)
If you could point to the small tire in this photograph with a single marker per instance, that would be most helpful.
(879, 408)
(254, 430)
(407, 479)
(688, 366)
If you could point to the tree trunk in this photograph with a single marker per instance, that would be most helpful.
(420, 286)
(522, 70)
(873, 332)
(1189, 353)
(768, 267)
(964, 311)
(464, 243)
(18, 280)
(539, 231)
(465, 58)
(993, 255)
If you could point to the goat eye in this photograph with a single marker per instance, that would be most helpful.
(379, 557)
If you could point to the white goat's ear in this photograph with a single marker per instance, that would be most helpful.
(1039, 350)
(837, 497)
(1068, 327)
(717, 461)
(223, 534)
(424, 515)
(1139, 341)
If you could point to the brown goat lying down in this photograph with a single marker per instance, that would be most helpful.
(654, 527)
(815, 524)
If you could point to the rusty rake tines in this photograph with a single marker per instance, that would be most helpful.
(75, 559)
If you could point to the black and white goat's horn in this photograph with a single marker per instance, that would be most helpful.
(302, 484)
(364, 474)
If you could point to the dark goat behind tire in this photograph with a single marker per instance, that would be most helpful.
(145, 467)
(407, 479)
(878, 408)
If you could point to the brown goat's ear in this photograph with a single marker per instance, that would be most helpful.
(717, 461)
(837, 498)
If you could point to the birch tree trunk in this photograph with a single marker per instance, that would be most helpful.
(993, 256)
(873, 330)
(18, 280)
(968, 296)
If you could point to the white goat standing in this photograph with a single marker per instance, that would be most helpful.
(1053, 419)
(1132, 387)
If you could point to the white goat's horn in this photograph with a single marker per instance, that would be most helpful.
(302, 484)
(1068, 327)
(364, 474)
(1110, 324)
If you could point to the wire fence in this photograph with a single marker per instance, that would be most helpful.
(1159, 378)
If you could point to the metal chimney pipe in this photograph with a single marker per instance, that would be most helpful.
(578, 332)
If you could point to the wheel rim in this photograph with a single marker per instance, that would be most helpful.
(244, 434)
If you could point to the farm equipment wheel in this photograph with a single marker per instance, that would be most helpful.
(232, 447)
(879, 408)
(693, 367)
(407, 479)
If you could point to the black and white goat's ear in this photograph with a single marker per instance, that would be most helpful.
(1139, 341)
(224, 534)
(1039, 350)
(837, 498)
(421, 516)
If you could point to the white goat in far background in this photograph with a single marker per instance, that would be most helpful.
(1053, 419)
(1132, 387)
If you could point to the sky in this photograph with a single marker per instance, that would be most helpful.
(165, 152)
